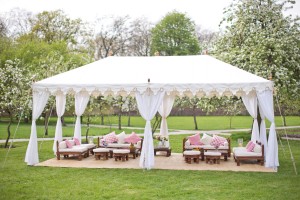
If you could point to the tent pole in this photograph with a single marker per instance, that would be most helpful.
(287, 139)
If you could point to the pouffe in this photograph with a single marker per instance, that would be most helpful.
(191, 155)
(121, 154)
(212, 157)
(101, 152)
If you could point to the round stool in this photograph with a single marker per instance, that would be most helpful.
(191, 155)
(121, 154)
(101, 152)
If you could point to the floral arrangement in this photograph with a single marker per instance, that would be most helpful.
(161, 138)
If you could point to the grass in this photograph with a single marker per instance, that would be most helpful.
(19, 181)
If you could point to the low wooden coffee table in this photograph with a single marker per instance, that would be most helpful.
(166, 149)
(212, 157)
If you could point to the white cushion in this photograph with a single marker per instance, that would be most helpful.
(88, 145)
(187, 143)
(77, 149)
(100, 150)
(212, 153)
(121, 151)
(121, 137)
(246, 153)
(62, 145)
(191, 153)
(206, 139)
(257, 148)
(234, 149)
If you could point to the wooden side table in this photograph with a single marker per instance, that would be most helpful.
(166, 149)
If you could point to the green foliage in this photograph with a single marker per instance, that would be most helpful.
(175, 35)
(260, 39)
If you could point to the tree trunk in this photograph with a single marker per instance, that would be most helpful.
(46, 122)
(195, 119)
(87, 128)
(128, 123)
(8, 131)
(120, 127)
(63, 121)
(102, 119)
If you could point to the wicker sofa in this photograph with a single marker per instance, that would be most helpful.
(241, 153)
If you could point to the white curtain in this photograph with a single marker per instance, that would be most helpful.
(60, 110)
(250, 102)
(148, 104)
(39, 102)
(164, 110)
(265, 100)
(262, 131)
(81, 101)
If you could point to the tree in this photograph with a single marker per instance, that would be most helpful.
(140, 40)
(15, 81)
(52, 26)
(175, 35)
(260, 39)
(112, 37)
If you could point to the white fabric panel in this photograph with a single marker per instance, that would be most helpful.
(60, 110)
(265, 99)
(250, 102)
(148, 104)
(263, 133)
(81, 101)
(39, 102)
(164, 110)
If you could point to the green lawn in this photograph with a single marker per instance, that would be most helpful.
(19, 181)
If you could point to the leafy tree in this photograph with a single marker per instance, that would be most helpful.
(175, 35)
(15, 81)
(52, 26)
(260, 39)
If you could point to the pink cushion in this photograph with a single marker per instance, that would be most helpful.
(218, 141)
(76, 141)
(110, 138)
(68, 143)
(251, 147)
(195, 139)
(132, 138)
(248, 144)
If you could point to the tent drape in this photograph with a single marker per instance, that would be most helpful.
(38, 104)
(164, 110)
(148, 104)
(60, 110)
(265, 100)
(250, 102)
(262, 130)
(81, 101)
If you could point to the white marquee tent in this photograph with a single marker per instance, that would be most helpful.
(155, 81)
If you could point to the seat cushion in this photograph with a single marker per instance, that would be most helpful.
(125, 151)
(191, 153)
(98, 150)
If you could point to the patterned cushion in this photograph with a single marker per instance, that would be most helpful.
(251, 147)
(206, 139)
(195, 139)
(110, 138)
(76, 141)
(248, 144)
(218, 141)
(69, 144)
(132, 138)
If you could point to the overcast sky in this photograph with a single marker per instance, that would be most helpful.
(207, 13)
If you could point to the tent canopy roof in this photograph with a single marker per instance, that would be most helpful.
(200, 75)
